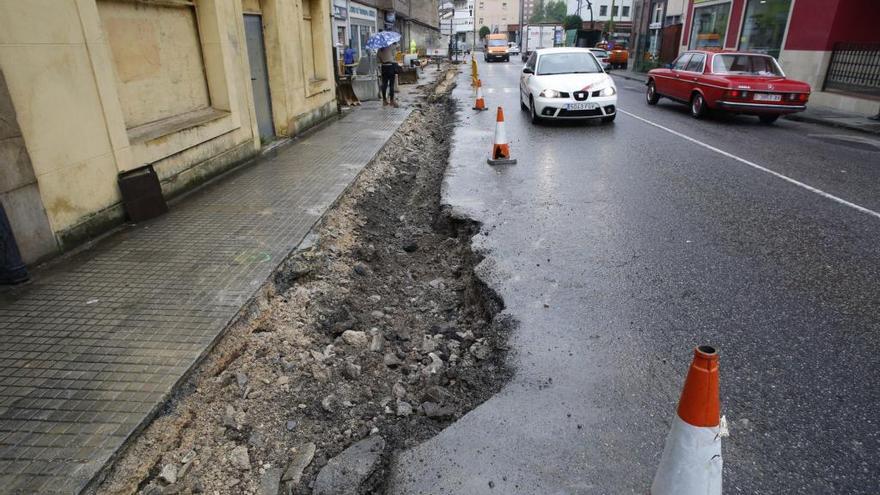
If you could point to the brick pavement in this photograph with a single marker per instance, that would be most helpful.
(95, 344)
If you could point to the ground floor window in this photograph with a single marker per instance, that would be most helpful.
(764, 26)
(710, 26)
(340, 36)
(360, 33)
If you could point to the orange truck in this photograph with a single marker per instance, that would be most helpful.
(496, 48)
(618, 57)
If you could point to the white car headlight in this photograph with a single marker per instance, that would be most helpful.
(608, 91)
(550, 93)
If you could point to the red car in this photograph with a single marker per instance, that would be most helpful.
(747, 83)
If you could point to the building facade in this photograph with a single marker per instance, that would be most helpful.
(602, 10)
(614, 17)
(463, 22)
(96, 90)
(498, 15)
(415, 20)
(656, 33)
(834, 45)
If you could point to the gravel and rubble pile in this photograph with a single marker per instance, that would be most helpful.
(372, 340)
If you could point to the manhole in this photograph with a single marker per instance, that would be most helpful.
(855, 142)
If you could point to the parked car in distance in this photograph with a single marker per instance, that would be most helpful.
(513, 48)
(566, 83)
(735, 82)
(603, 57)
(496, 48)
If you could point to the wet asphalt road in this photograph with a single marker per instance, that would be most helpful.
(621, 247)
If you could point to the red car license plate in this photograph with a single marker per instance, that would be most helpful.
(767, 97)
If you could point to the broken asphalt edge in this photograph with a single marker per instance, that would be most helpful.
(485, 277)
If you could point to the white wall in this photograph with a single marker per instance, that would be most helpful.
(585, 13)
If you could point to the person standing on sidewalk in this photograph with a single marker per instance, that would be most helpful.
(389, 71)
(348, 59)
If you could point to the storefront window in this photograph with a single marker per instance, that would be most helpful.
(764, 26)
(710, 26)
(359, 36)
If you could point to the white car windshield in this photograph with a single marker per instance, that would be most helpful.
(600, 53)
(567, 63)
(753, 65)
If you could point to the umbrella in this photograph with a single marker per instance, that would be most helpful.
(382, 39)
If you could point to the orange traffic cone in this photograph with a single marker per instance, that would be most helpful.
(480, 104)
(691, 461)
(501, 149)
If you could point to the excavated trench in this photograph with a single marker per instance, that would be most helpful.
(379, 329)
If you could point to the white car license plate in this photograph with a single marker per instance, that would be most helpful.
(581, 106)
(767, 97)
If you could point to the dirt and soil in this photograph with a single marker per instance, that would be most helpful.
(379, 328)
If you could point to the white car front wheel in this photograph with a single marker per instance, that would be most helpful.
(533, 112)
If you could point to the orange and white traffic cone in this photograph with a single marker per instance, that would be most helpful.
(691, 461)
(501, 149)
(480, 104)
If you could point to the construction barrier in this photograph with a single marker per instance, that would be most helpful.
(691, 461)
(501, 148)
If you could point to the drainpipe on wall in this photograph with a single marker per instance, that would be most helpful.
(12, 269)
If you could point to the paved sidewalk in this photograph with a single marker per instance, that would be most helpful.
(628, 74)
(96, 343)
(835, 118)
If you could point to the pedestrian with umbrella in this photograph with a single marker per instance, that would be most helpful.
(383, 43)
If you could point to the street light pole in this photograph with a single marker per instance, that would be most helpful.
(522, 8)
(473, 48)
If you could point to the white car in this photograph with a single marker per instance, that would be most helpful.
(566, 83)
(513, 48)
(603, 57)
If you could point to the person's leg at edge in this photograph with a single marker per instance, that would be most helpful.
(392, 80)
(383, 88)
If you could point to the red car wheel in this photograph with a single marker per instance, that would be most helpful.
(698, 106)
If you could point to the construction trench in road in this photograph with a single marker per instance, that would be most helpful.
(371, 340)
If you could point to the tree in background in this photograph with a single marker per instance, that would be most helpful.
(572, 22)
(537, 12)
(555, 11)
(484, 31)
(609, 26)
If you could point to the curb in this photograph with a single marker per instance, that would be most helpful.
(628, 77)
(830, 123)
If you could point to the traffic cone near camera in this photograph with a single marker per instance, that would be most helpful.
(691, 461)
(501, 148)
(480, 104)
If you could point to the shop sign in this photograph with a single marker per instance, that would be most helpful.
(390, 18)
(340, 12)
(363, 12)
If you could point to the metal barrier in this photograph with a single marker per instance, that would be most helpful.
(854, 68)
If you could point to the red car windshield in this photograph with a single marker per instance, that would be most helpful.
(752, 65)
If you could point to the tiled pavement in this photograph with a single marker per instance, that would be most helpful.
(97, 341)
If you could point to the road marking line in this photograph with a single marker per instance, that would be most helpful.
(758, 167)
